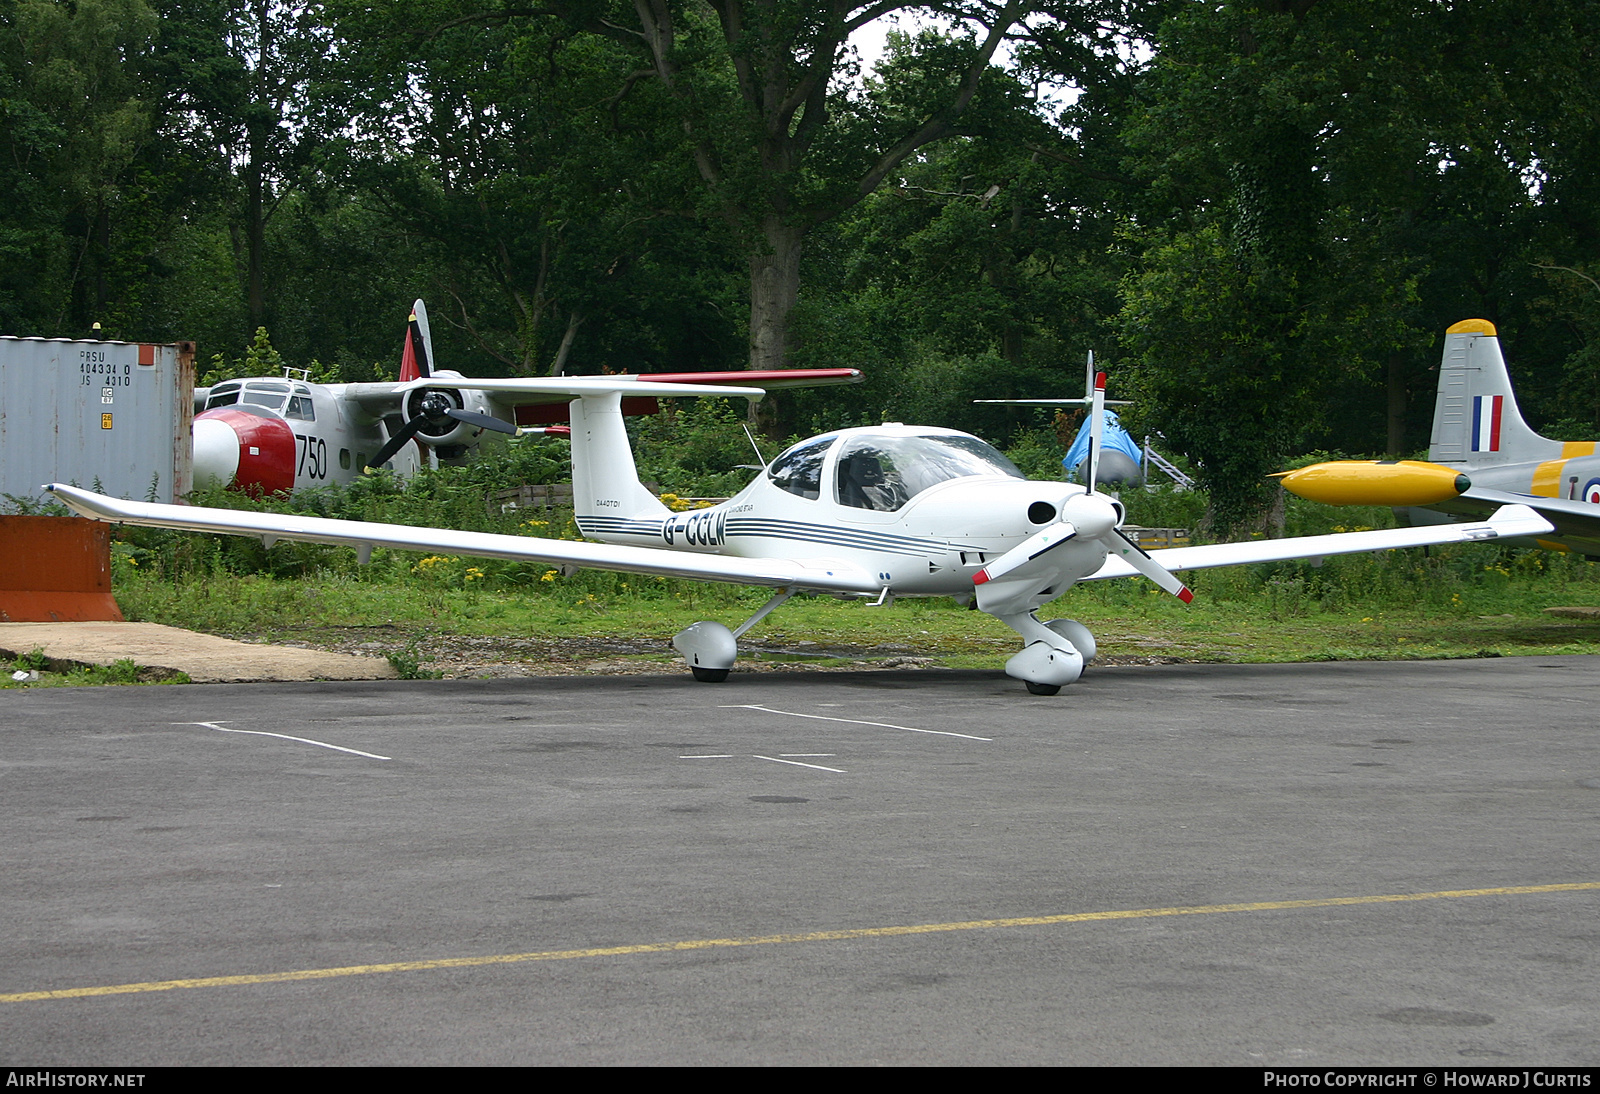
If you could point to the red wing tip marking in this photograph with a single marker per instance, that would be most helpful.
(1099, 381)
(980, 577)
(1185, 595)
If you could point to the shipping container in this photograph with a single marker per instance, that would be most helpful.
(108, 416)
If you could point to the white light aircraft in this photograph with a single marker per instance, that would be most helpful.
(876, 513)
(1482, 456)
(278, 434)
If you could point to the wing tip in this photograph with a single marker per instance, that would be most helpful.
(1185, 595)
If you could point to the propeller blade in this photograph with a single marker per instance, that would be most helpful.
(483, 421)
(1042, 541)
(1097, 427)
(1136, 557)
(396, 443)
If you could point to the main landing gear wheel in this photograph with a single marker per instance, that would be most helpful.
(1033, 689)
(717, 676)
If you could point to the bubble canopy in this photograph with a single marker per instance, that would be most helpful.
(883, 471)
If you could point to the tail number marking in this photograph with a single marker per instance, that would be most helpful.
(698, 529)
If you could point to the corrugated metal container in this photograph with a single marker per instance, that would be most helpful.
(108, 416)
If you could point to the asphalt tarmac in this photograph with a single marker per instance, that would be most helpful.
(1311, 865)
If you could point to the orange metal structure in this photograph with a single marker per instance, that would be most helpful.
(55, 570)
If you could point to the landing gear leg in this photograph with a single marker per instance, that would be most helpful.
(1049, 660)
(710, 648)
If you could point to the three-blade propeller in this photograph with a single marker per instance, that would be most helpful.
(436, 410)
(1089, 516)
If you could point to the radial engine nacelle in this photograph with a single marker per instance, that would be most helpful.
(438, 429)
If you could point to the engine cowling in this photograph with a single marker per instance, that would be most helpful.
(430, 403)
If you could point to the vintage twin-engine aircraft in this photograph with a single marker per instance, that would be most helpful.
(1482, 456)
(277, 434)
(876, 512)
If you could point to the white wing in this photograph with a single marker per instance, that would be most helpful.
(1508, 520)
(825, 575)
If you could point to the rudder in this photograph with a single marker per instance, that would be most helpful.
(1476, 422)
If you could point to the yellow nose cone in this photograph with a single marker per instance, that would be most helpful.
(1361, 482)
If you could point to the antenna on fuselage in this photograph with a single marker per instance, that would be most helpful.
(755, 446)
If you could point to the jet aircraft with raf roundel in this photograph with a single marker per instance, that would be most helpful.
(876, 512)
(1482, 456)
(278, 434)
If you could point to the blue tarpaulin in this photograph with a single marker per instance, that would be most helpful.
(1113, 438)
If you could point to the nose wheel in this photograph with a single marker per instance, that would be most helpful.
(709, 676)
(1042, 689)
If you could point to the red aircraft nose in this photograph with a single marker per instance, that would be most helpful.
(247, 452)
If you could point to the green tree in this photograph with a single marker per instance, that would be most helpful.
(73, 118)
(1310, 212)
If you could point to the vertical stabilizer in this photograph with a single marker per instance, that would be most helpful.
(605, 480)
(1476, 422)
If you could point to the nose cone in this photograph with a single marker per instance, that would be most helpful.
(216, 453)
(249, 452)
(1092, 515)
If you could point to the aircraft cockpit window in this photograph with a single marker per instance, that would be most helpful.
(300, 409)
(264, 398)
(884, 472)
(799, 470)
(219, 397)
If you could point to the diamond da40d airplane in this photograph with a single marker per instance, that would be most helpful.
(874, 512)
(277, 434)
(1482, 456)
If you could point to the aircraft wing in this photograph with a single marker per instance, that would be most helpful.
(819, 574)
(377, 399)
(1508, 520)
(1570, 517)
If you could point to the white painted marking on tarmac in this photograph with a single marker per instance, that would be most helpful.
(797, 763)
(286, 737)
(856, 721)
(809, 755)
(717, 756)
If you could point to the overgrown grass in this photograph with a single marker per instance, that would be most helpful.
(1461, 601)
(1455, 601)
(46, 673)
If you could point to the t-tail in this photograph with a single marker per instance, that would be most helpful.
(1476, 422)
(607, 497)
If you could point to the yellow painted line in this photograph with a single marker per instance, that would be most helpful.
(779, 939)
